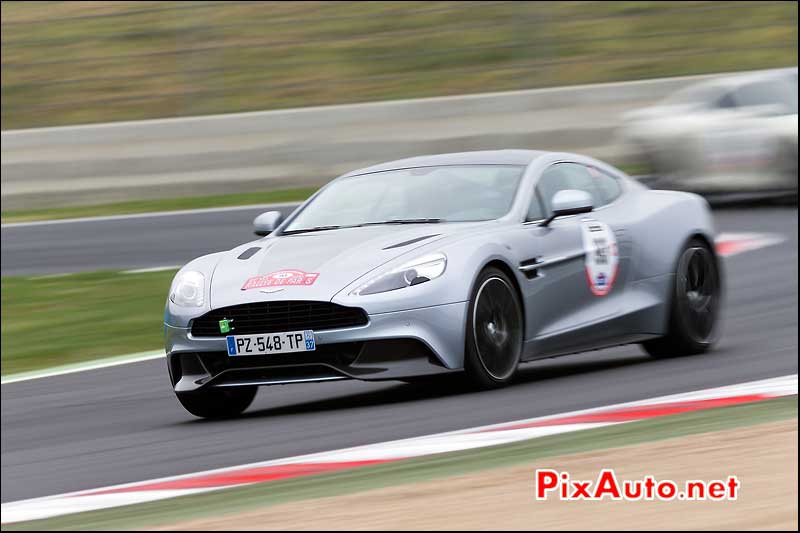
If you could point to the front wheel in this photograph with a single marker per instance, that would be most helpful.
(494, 330)
(695, 304)
(217, 403)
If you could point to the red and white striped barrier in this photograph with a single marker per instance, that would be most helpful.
(292, 467)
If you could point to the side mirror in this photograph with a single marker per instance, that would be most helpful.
(569, 202)
(265, 223)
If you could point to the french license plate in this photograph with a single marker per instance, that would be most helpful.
(270, 343)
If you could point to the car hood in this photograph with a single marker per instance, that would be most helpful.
(317, 265)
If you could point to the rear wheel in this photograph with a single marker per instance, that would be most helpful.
(217, 402)
(494, 330)
(695, 304)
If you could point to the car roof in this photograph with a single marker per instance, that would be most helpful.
(484, 157)
(738, 80)
(734, 81)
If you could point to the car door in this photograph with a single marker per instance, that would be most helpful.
(571, 267)
(740, 147)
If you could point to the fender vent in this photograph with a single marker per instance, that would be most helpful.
(250, 252)
(412, 241)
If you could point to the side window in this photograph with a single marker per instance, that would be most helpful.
(562, 176)
(725, 102)
(607, 186)
(767, 93)
(535, 211)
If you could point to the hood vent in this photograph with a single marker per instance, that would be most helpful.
(247, 254)
(412, 241)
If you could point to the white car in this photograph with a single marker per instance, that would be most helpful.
(729, 135)
(466, 263)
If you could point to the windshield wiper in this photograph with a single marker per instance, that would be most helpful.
(309, 230)
(405, 221)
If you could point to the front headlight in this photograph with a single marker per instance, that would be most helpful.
(188, 289)
(414, 272)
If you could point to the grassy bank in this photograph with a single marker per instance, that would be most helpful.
(80, 62)
(236, 500)
(55, 320)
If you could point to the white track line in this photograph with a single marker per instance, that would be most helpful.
(153, 214)
(95, 364)
(464, 439)
(151, 269)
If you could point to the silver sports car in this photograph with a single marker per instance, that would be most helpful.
(734, 136)
(465, 263)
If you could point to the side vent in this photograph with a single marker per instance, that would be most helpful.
(530, 267)
(250, 252)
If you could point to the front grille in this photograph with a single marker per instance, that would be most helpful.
(274, 317)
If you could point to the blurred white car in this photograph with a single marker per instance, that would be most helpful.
(729, 135)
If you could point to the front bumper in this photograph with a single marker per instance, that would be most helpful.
(403, 344)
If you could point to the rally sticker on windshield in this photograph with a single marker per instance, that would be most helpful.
(602, 256)
(281, 278)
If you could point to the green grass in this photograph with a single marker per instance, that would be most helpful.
(164, 204)
(71, 62)
(236, 500)
(56, 320)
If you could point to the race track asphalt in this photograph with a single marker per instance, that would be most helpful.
(119, 243)
(122, 424)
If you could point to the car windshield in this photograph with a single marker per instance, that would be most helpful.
(695, 95)
(413, 196)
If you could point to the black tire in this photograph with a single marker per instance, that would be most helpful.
(494, 330)
(695, 304)
(217, 403)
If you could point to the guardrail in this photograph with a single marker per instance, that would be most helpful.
(259, 150)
